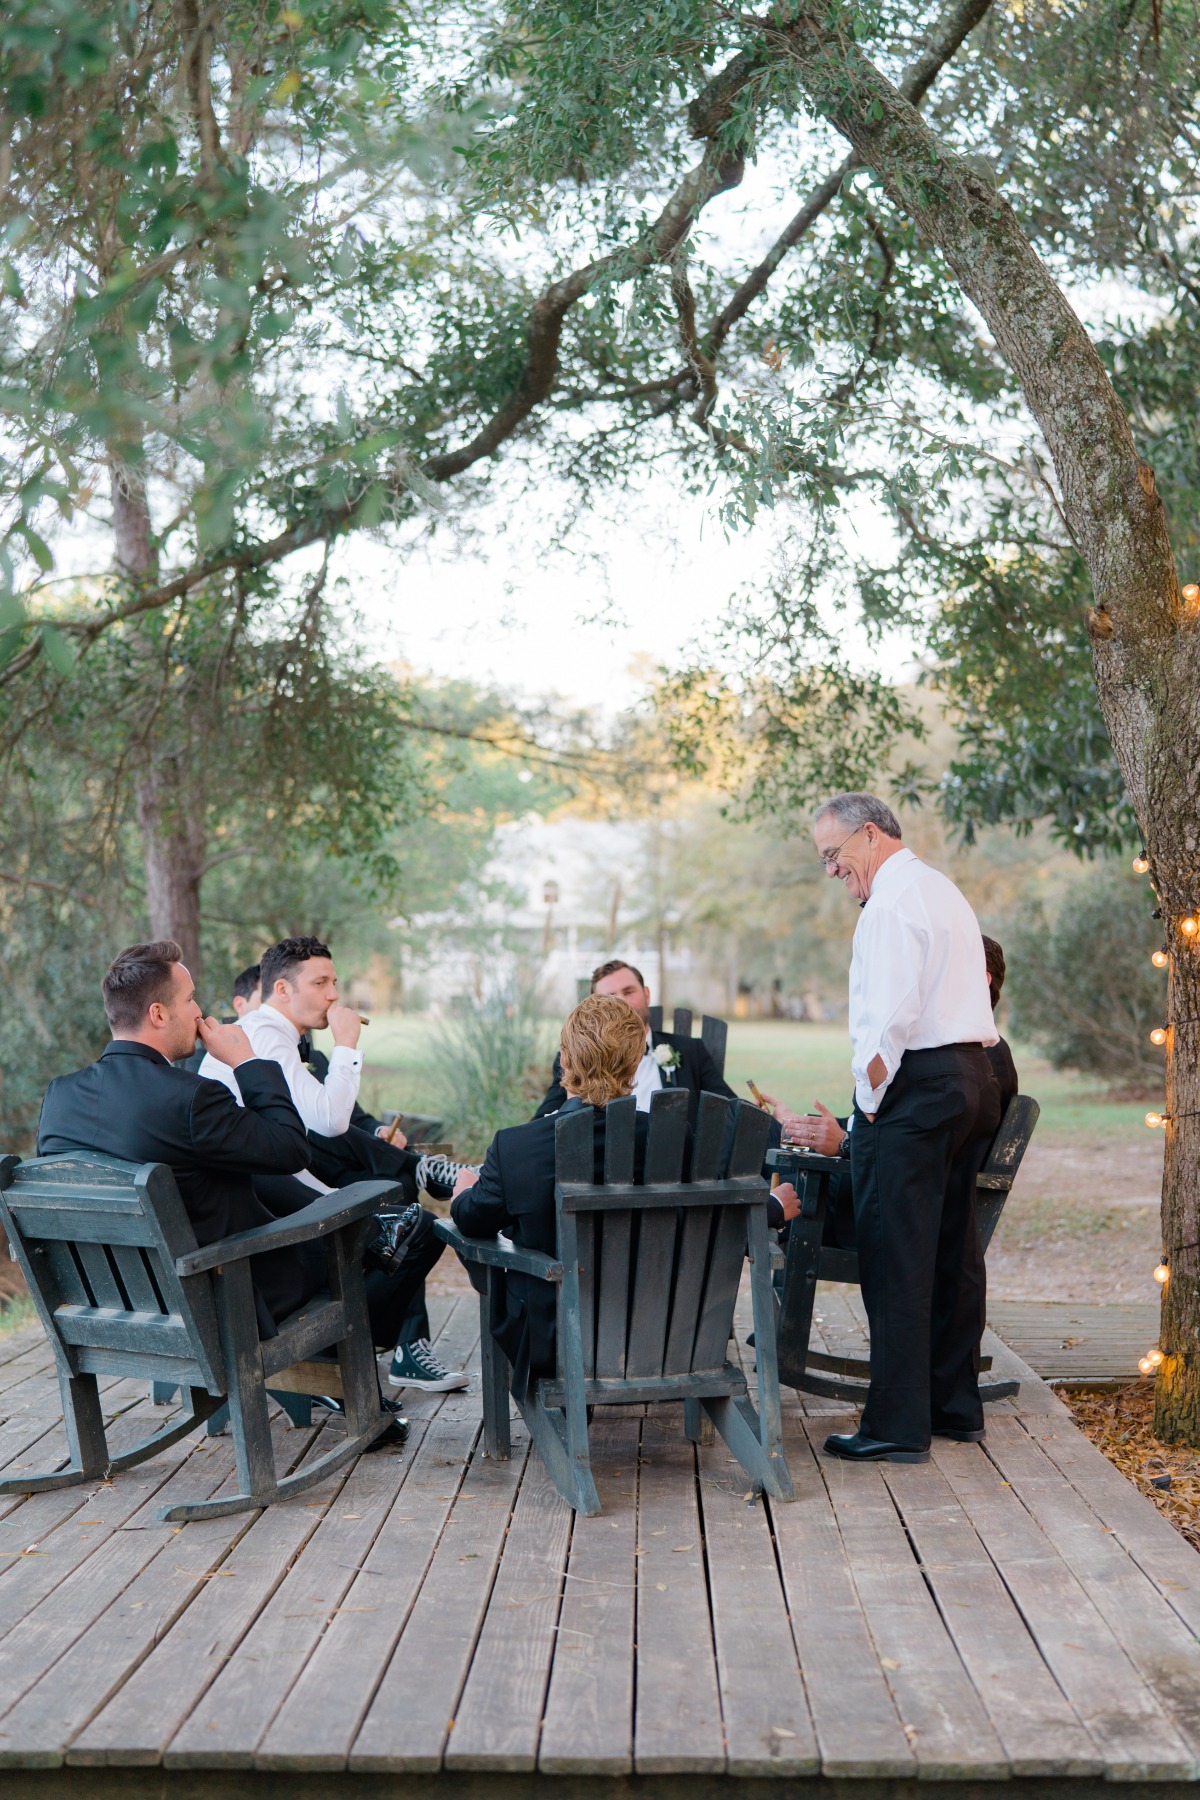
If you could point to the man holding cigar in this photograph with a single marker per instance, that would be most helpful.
(300, 994)
(926, 1107)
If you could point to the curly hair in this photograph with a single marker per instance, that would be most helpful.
(603, 1041)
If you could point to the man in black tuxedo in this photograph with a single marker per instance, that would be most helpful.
(136, 1104)
(602, 1046)
(667, 1061)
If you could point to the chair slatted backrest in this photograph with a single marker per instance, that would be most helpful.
(659, 1262)
(1004, 1159)
(97, 1240)
(714, 1033)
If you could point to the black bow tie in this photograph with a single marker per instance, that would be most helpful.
(305, 1048)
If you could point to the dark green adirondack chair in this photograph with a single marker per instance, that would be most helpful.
(714, 1033)
(808, 1261)
(121, 1287)
(647, 1277)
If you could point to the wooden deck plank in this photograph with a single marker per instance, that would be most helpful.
(939, 1708)
(227, 1727)
(498, 1719)
(142, 1717)
(412, 1713)
(857, 1727)
(678, 1727)
(320, 1718)
(768, 1730)
(1036, 1724)
(1164, 1651)
(1154, 1545)
(588, 1726)
(99, 1571)
(175, 1567)
(61, 1533)
(1122, 1717)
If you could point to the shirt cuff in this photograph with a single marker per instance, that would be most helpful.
(345, 1057)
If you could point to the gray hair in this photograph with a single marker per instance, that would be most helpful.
(856, 810)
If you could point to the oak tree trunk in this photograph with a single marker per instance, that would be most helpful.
(171, 824)
(1145, 640)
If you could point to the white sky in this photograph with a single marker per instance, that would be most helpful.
(590, 631)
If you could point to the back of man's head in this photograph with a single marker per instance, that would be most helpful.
(603, 1042)
(610, 968)
(136, 979)
(856, 810)
(996, 967)
(282, 960)
(245, 983)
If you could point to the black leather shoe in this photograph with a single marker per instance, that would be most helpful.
(959, 1437)
(391, 1439)
(854, 1447)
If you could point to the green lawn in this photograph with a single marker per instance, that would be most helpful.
(795, 1063)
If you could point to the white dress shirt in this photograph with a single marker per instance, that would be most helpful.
(324, 1107)
(649, 1077)
(918, 975)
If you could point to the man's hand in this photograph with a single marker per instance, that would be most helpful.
(228, 1043)
(392, 1134)
(466, 1178)
(787, 1118)
(789, 1199)
(345, 1025)
(817, 1131)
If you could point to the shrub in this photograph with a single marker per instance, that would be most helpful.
(1080, 980)
(494, 1061)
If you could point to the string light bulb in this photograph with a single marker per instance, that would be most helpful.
(1160, 958)
(1189, 926)
(1154, 1120)
(1145, 1365)
(1141, 864)
(1191, 593)
(1156, 1359)
(1162, 1273)
(1159, 1035)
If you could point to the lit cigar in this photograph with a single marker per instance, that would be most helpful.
(363, 1020)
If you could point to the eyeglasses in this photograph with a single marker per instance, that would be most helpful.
(829, 857)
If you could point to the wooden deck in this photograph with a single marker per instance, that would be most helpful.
(1014, 1610)
(1081, 1344)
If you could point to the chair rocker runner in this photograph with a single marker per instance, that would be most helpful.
(807, 1261)
(647, 1277)
(121, 1287)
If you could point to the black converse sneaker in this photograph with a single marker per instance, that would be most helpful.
(415, 1365)
(437, 1175)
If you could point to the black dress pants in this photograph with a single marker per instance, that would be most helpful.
(920, 1264)
(395, 1303)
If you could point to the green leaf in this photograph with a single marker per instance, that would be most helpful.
(59, 651)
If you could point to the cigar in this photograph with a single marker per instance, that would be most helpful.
(363, 1020)
(392, 1129)
(759, 1098)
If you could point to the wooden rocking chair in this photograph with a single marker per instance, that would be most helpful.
(122, 1288)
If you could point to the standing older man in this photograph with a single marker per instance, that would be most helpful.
(926, 1108)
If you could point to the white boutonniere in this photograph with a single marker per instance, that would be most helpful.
(667, 1058)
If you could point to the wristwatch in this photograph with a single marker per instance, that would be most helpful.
(843, 1148)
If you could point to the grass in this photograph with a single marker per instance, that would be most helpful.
(795, 1063)
(15, 1314)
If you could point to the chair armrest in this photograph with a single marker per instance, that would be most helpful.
(994, 1184)
(802, 1162)
(499, 1252)
(328, 1212)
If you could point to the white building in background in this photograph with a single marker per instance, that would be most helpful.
(576, 896)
